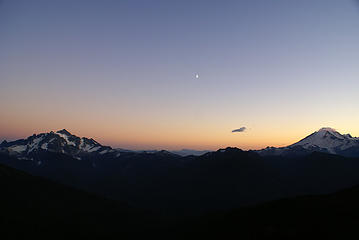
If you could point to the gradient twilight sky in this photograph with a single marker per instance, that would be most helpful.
(123, 72)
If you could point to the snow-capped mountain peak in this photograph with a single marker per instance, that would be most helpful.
(326, 140)
(61, 141)
(327, 129)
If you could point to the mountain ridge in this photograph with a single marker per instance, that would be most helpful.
(326, 140)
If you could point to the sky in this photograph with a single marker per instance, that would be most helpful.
(124, 72)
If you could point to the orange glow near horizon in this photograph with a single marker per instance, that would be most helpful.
(154, 135)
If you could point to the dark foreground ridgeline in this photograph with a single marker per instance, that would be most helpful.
(34, 208)
(167, 184)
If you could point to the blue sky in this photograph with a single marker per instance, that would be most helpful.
(124, 71)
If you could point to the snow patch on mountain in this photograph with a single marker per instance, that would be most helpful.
(66, 138)
(94, 149)
(35, 143)
(44, 146)
(84, 146)
(18, 148)
(104, 151)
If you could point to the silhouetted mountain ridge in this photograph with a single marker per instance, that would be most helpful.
(169, 184)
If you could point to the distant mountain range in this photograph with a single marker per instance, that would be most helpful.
(326, 140)
(172, 184)
(64, 142)
(188, 152)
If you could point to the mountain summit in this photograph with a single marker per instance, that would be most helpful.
(58, 142)
(326, 140)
